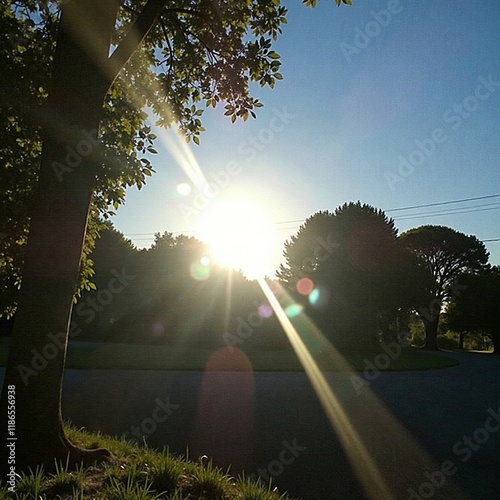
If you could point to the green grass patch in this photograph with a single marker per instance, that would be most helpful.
(156, 357)
(136, 473)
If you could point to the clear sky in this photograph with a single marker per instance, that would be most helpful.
(395, 104)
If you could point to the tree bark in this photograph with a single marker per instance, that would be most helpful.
(461, 336)
(431, 328)
(57, 230)
(495, 337)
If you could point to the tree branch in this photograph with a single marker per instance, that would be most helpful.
(189, 12)
(136, 34)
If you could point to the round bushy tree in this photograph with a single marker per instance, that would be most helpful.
(447, 254)
(361, 271)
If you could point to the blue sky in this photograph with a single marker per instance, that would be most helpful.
(395, 108)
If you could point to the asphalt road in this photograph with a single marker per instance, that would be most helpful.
(427, 434)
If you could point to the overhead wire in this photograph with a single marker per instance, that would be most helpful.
(452, 211)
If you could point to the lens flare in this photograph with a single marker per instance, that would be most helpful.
(305, 286)
(265, 310)
(184, 189)
(293, 310)
(314, 296)
(373, 439)
(319, 297)
(200, 269)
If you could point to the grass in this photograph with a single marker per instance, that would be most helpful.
(136, 473)
(155, 357)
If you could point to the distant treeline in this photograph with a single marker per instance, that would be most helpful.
(170, 293)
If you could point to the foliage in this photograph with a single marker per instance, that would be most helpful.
(198, 55)
(322, 233)
(112, 61)
(354, 257)
(313, 3)
(26, 51)
(446, 254)
(475, 309)
(137, 473)
(174, 292)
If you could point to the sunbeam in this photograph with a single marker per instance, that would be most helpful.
(374, 441)
(358, 454)
(182, 154)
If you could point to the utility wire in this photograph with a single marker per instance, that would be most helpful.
(464, 210)
(453, 211)
(443, 203)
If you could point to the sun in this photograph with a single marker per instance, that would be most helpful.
(240, 236)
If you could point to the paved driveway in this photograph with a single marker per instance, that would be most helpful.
(431, 434)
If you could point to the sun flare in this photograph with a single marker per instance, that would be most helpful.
(240, 237)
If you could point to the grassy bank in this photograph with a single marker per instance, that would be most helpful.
(148, 357)
(137, 474)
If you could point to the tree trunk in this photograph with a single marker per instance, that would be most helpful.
(67, 175)
(495, 337)
(431, 328)
(461, 336)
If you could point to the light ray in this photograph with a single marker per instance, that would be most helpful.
(182, 154)
(359, 455)
(386, 458)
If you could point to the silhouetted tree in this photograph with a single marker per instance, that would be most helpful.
(104, 299)
(356, 261)
(476, 307)
(27, 52)
(210, 54)
(447, 254)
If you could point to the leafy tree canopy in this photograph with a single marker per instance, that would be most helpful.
(351, 226)
(475, 307)
(446, 254)
(363, 272)
(200, 54)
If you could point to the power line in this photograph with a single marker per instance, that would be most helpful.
(464, 210)
(454, 211)
(443, 203)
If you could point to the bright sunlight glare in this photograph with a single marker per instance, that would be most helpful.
(374, 440)
(240, 237)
